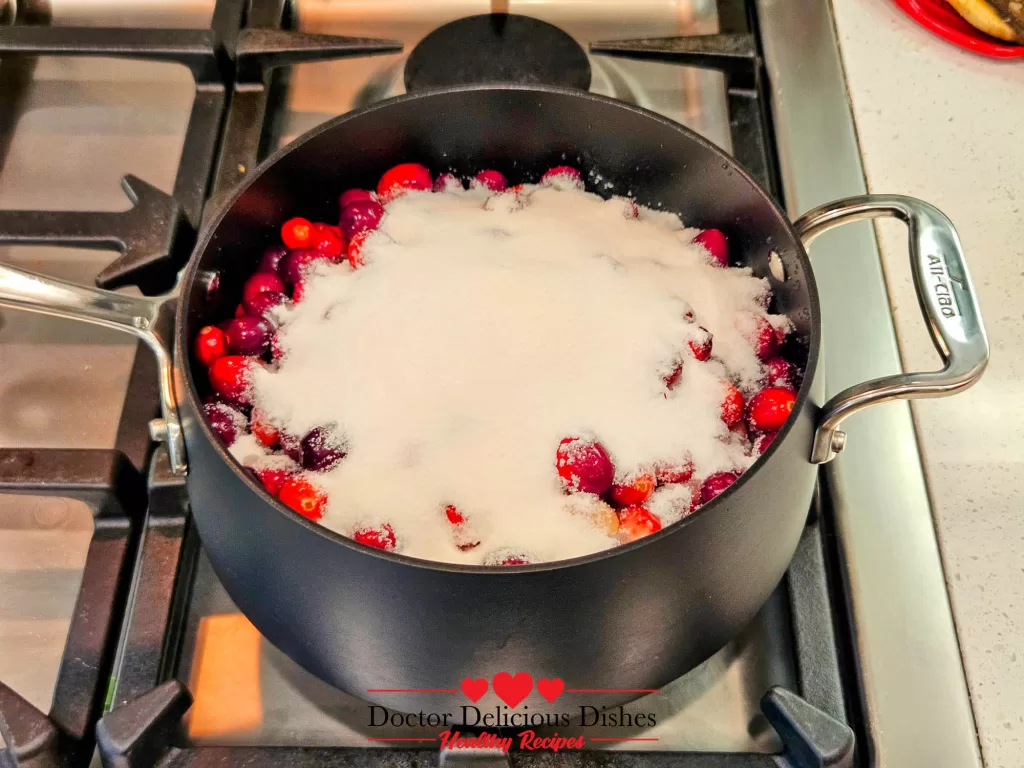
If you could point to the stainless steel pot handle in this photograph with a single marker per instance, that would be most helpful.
(149, 319)
(947, 300)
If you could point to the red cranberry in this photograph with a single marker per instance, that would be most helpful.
(637, 522)
(402, 178)
(239, 312)
(447, 181)
(635, 490)
(271, 259)
(493, 180)
(355, 249)
(763, 441)
(292, 446)
(454, 516)
(584, 465)
(701, 347)
(770, 408)
(514, 560)
(263, 430)
(714, 243)
(715, 484)
(260, 282)
(248, 335)
(732, 405)
(673, 472)
(273, 479)
(296, 233)
(562, 173)
(261, 303)
(378, 538)
(296, 263)
(760, 333)
(229, 376)
(359, 217)
(327, 242)
(321, 450)
(778, 371)
(304, 497)
(226, 422)
(672, 377)
(350, 196)
(210, 345)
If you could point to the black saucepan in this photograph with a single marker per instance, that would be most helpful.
(630, 618)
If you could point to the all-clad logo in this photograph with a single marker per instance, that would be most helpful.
(513, 689)
(941, 280)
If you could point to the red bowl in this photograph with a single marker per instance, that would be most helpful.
(939, 17)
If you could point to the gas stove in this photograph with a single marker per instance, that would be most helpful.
(125, 125)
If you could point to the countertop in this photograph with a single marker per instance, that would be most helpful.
(946, 126)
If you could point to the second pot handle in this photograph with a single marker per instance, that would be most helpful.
(149, 319)
(946, 296)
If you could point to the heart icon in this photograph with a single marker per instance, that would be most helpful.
(512, 690)
(550, 689)
(474, 689)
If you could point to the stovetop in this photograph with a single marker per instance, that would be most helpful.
(109, 610)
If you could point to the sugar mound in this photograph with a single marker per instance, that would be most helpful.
(481, 331)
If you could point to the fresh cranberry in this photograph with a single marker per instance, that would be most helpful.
(304, 497)
(584, 465)
(298, 291)
(261, 303)
(770, 408)
(271, 259)
(715, 484)
(248, 335)
(292, 446)
(637, 522)
(297, 263)
(360, 216)
(515, 560)
(778, 372)
(355, 249)
(350, 196)
(379, 538)
(493, 180)
(273, 479)
(263, 430)
(239, 312)
(210, 344)
(701, 347)
(763, 441)
(447, 181)
(732, 405)
(227, 422)
(321, 450)
(760, 333)
(296, 233)
(402, 178)
(454, 516)
(562, 173)
(327, 242)
(672, 377)
(673, 472)
(635, 490)
(229, 376)
(714, 242)
(276, 351)
(260, 282)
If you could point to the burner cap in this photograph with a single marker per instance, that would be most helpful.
(497, 48)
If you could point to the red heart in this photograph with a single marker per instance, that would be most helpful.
(474, 689)
(550, 689)
(512, 690)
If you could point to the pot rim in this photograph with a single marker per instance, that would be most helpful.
(183, 361)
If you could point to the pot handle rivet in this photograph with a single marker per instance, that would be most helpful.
(947, 299)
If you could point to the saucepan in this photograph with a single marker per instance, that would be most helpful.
(403, 632)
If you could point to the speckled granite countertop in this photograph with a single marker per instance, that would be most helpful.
(947, 126)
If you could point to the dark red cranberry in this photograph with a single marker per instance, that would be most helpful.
(715, 484)
(401, 179)
(359, 217)
(296, 263)
(249, 336)
(714, 243)
(763, 441)
(227, 422)
(378, 538)
(260, 282)
(562, 172)
(493, 180)
(584, 465)
(778, 372)
(350, 196)
(292, 446)
(701, 348)
(271, 259)
(447, 181)
(327, 241)
(261, 303)
(321, 450)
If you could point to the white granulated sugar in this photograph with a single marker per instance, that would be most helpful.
(478, 335)
(248, 451)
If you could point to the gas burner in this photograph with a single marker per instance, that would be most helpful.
(497, 47)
